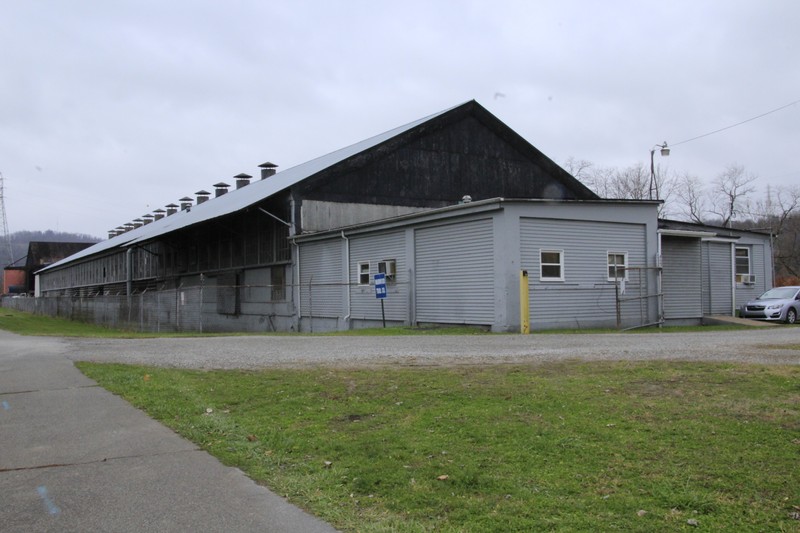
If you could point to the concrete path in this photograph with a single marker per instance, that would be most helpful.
(74, 457)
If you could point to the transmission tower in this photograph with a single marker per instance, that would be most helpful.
(5, 234)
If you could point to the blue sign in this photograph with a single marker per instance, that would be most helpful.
(380, 286)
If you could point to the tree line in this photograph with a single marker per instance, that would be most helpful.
(732, 199)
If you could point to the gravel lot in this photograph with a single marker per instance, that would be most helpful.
(761, 346)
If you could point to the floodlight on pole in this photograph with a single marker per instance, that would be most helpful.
(653, 183)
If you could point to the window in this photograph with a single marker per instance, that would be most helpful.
(617, 264)
(363, 273)
(388, 267)
(277, 283)
(742, 265)
(551, 265)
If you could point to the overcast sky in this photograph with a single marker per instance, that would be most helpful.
(109, 110)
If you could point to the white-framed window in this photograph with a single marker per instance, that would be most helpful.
(551, 265)
(617, 266)
(363, 273)
(743, 265)
(388, 267)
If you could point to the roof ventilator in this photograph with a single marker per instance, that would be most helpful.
(267, 169)
(242, 180)
(220, 189)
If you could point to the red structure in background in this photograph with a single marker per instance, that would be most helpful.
(14, 281)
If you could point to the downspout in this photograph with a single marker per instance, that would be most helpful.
(347, 278)
(129, 280)
(771, 260)
(733, 279)
(659, 273)
(297, 290)
(710, 279)
(129, 273)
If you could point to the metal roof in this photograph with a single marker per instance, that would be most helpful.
(239, 199)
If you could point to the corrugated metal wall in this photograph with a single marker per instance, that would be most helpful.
(681, 277)
(758, 268)
(585, 297)
(321, 283)
(717, 278)
(455, 273)
(374, 248)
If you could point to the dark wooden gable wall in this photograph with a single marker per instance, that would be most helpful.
(464, 152)
(42, 253)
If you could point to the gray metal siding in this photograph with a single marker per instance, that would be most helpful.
(374, 248)
(585, 297)
(758, 268)
(455, 273)
(321, 284)
(717, 278)
(681, 278)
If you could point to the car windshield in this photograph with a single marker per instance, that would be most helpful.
(779, 293)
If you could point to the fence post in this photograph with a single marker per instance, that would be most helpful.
(141, 311)
(310, 306)
(200, 305)
(158, 311)
(178, 307)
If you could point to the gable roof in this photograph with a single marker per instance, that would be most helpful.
(42, 253)
(258, 191)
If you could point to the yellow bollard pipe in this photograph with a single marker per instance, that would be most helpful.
(524, 303)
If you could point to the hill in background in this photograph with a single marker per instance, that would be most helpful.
(21, 239)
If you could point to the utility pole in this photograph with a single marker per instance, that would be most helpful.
(5, 234)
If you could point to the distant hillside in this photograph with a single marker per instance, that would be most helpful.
(20, 240)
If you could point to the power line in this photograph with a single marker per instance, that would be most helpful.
(737, 124)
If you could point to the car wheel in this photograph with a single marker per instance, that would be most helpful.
(791, 316)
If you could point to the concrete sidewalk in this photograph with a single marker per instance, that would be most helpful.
(74, 457)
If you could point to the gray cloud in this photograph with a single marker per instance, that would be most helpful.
(111, 110)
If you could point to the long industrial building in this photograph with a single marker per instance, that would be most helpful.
(456, 211)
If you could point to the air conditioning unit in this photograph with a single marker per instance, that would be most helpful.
(751, 280)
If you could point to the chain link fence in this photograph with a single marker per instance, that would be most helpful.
(173, 310)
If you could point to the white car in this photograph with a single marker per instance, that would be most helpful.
(779, 304)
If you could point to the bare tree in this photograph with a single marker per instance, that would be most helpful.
(692, 197)
(598, 179)
(779, 211)
(787, 249)
(631, 183)
(729, 194)
(579, 168)
(777, 207)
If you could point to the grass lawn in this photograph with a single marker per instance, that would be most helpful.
(30, 324)
(650, 446)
